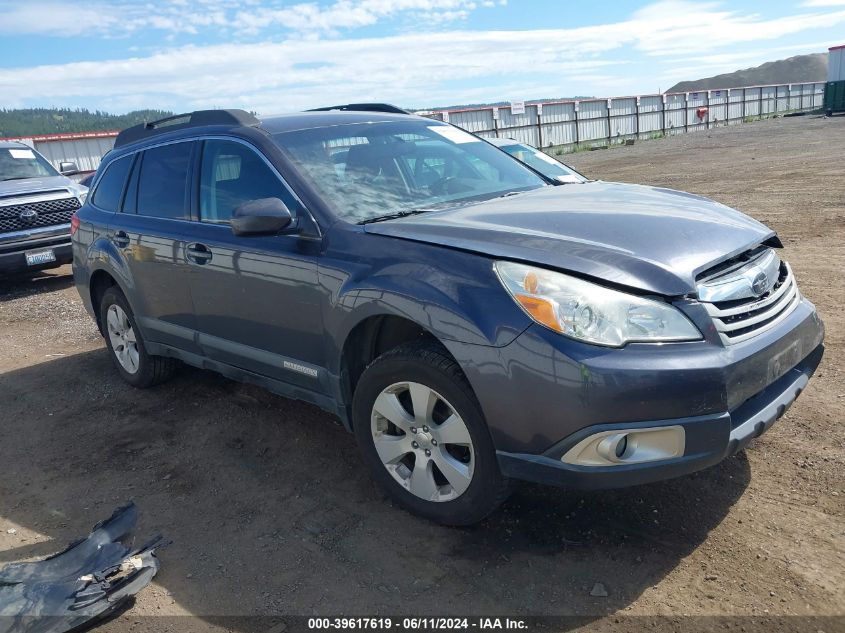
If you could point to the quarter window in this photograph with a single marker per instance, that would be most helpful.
(231, 175)
(163, 181)
(110, 188)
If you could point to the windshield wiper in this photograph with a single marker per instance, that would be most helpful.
(19, 178)
(511, 193)
(393, 216)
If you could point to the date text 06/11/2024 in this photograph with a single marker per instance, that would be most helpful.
(417, 624)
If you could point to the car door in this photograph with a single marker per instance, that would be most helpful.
(151, 232)
(256, 298)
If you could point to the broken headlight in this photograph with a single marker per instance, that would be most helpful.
(592, 313)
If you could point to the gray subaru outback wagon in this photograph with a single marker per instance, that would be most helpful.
(470, 321)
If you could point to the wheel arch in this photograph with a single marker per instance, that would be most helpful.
(99, 282)
(371, 337)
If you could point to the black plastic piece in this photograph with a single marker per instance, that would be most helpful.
(89, 580)
(181, 121)
(363, 107)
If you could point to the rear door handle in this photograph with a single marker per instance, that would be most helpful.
(198, 253)
(121, 239)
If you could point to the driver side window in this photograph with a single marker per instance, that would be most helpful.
(232, 174)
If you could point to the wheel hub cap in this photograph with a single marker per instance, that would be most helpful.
(423, 439)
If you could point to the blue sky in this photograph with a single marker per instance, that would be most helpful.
(277, 55)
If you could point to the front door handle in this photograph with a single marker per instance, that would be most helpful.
(121, 239)
(198, 253)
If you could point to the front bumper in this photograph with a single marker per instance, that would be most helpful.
(545, 392)
(14, 246)
(709, 439)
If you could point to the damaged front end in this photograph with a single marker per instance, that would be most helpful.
(91, 579)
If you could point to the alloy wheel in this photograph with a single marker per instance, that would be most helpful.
(122, 338)
(422, 441)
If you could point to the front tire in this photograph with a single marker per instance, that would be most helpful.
(126, 345)
(423, 436)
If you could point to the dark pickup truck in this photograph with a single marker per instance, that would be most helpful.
(36, 203)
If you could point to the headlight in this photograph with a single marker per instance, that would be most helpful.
(82, 195)
(592, 313)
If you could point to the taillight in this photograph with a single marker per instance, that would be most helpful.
(74, 223)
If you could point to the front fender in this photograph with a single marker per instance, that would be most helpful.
(454, 295)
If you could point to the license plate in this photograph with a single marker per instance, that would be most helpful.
(36, 258)
(784, 361)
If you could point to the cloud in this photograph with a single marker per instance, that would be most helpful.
(117, 18)
(348, 14)
(416, 69)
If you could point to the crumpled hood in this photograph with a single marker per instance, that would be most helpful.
(30, 185)
(648, 238)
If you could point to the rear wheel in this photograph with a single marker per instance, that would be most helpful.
(424, 438)
(126, 346)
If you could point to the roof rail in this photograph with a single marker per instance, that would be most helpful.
(182, 121)
(363, 107)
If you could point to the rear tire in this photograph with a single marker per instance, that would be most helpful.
(423, 436)
(126, 345)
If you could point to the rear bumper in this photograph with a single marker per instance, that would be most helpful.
(710, 439)
(13, 248)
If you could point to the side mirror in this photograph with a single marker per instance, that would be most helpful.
(265, 216)
(68, 168)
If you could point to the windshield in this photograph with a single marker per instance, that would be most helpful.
(17, 163)
(367, 171)
(543, 163)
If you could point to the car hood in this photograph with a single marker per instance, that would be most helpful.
(32, 185)
(648, 238)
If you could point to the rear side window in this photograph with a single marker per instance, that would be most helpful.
(163, 181)
(110, 188)
(231, 175)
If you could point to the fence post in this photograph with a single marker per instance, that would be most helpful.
(760, 107)
(609, 127)
(577, 132)
(539, 108)
(637, 118)
(663, 114)
(686, 112)
(743, 105)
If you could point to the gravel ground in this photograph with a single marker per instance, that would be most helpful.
(271, 512)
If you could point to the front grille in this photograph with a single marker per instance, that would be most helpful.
(49, 213)
(741, 319)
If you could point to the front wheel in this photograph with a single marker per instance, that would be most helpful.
(424, 438)
(126, 345)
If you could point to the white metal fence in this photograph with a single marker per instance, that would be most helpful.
(591, 122)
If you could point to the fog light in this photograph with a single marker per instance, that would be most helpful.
(613, 447)
(621, 446)
(628, 446)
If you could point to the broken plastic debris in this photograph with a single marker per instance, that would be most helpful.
(90, 579)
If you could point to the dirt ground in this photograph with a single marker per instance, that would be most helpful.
(271, 512)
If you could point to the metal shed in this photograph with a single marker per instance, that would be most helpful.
(834, 91)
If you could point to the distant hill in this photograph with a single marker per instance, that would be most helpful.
(36, 121)
(798, 69)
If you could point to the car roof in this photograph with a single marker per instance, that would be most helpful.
(310, 120)
(15, 144)
(502, 142)
(201, 122)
